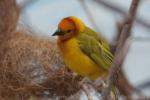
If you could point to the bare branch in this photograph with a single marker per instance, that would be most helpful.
(119, 54)
(141, 39)
(144, 23)
(144, 85)
(89, 15)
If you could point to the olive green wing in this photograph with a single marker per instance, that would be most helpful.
(95, 49)
(97, 36)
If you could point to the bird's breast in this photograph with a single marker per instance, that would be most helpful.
(76, 60)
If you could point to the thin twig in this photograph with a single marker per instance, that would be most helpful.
(119, 54)
(89, 90)
(141, 39)
(144, 85)
(116, 9)
(89, 14)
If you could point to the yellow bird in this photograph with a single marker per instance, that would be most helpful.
(84, 51)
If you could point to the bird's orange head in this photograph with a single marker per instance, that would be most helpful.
(69, 27)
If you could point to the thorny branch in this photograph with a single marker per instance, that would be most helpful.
(119, 54)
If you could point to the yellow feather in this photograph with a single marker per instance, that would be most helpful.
(77, 61)
(79, 24)
(84, 52)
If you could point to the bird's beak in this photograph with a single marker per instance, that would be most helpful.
(58, 32)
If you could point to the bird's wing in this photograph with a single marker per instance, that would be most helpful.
(95, 48)
(98, 37)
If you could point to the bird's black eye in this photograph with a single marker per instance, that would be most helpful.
(68, 31)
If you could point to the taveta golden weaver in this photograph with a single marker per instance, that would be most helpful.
(84, 51)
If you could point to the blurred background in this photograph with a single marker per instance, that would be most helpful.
(43, 16)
